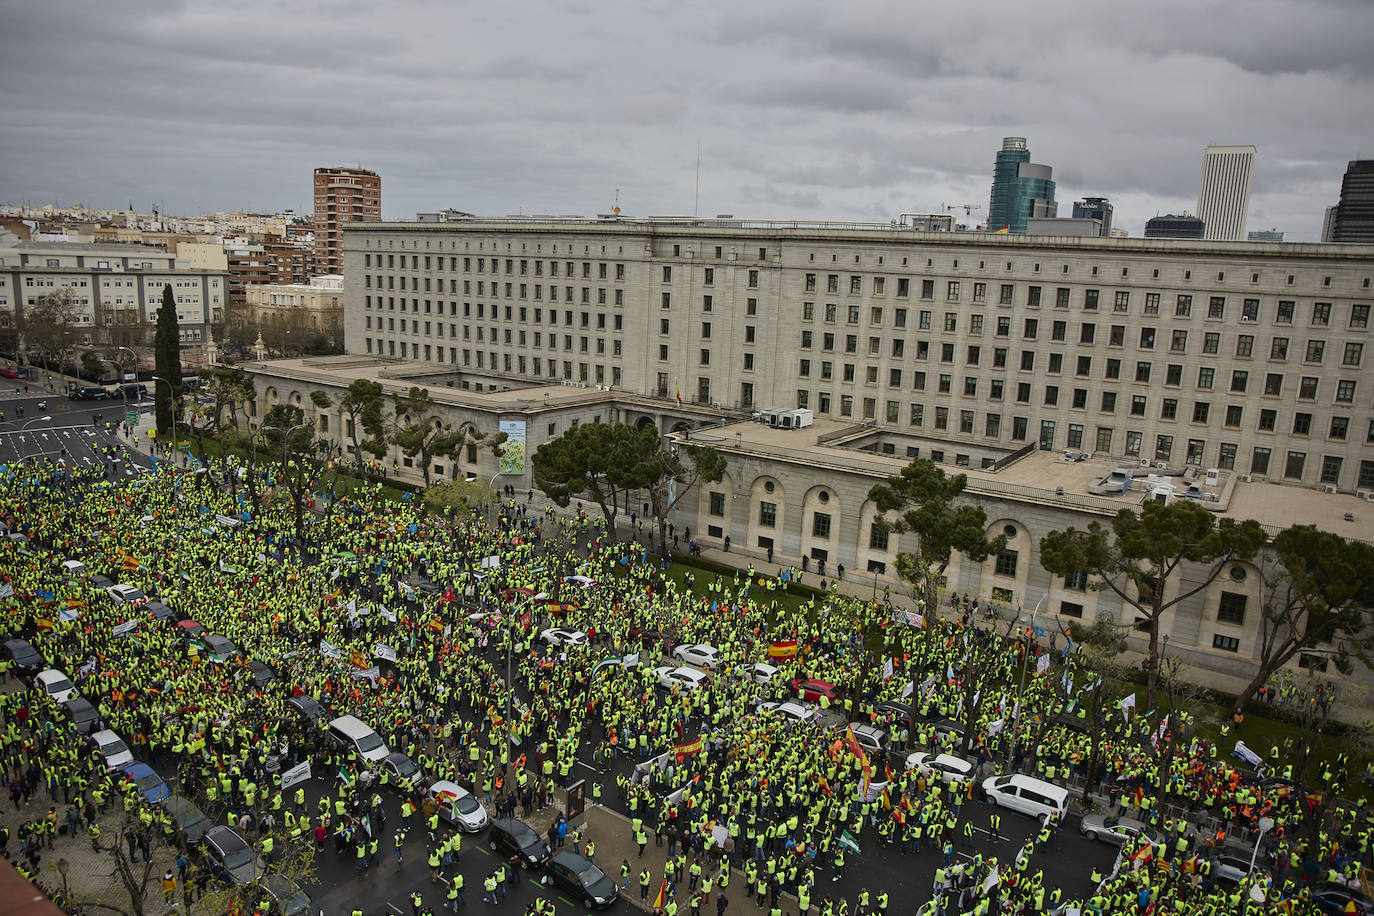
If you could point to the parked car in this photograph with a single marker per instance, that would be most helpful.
(188, 817)
(230, 857)
(557, 636)
(82, 713)
(758, 672)
(126, 594)
(218, 649)
(1333, 897)
(55, 684)
(805, 715)
(1233, 869)
(579, 877)
(286, 896)
(7, 372)
(27, 660)
(810, 688)
(151, 786)
(309, 709)
(903, 714)
(679, 678)
(512, 837)
(700, 655)
(458, 807)
(160, 612)
(948, 768)
(260, 673)
(191, 631)
(401, 770)
(1115, 831)
(112, 747)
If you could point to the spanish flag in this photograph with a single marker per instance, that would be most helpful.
(662, 895)
(1003, 231)
(44, 623)
(783, 649)
(691, 747)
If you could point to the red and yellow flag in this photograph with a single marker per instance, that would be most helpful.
(784, 649)
(662, 896)
(44, 623)
(691, 747)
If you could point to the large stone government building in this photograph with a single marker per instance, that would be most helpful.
(1234, 370)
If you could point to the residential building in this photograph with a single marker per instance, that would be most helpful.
(1021, 189)
(248, 265)
(1329, 224)
(116, 289)
(1354, 220)
(315, 306)
(342, 195)
(1174, 226)
(1223, 197)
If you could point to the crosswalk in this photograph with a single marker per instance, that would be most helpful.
(76, 446)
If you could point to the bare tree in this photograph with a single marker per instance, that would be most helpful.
(51, 324)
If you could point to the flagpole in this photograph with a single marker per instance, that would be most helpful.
(1021, 693)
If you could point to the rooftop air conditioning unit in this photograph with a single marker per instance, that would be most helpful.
(1329, 488)
(1363, 494)
(1247, 478)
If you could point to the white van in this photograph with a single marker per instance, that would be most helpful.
(115, 751)
(1027, 794)
(352, 733)
(55, 684)
(73, 568)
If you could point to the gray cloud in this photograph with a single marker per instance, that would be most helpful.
(851, 111)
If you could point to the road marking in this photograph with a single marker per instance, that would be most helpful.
(588, 766)
(566, 900)
(395, 909)
(483, 850)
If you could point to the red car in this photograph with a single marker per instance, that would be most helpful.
(7, 372)
(810, 688)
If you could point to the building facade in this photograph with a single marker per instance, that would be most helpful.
(1246, 357)
(342, 195)
(1174, 226)
(1021, 189)
(1223, 197)
(117, 290)
(1098, 208)
(314, 306)
(1354, 218)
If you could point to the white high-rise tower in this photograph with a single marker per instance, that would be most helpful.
(1223, 197)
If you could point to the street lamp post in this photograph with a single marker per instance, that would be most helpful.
(27, 423)
(491, 487)
(1265, 825)
(1021, 692)
(172, 394)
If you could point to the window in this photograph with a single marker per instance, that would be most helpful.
(1345, 391)
(1031, 328)
(1216, 307)
(1113, 369)
(1070, 609)
(1359, 316)
(1033, 297)
(717, 499)
(1268, 420)
(1178, 342)
(1058, 329)
(1164, 447)
(903, 287)
(1184, 307)
(1109, 402)
(1321, 314)
(1234, 414)
(1239, 379)
(1354, 352)
(1273, 383)
(1090, 299)
(1278, 348)
(1283, 315)
(1104, 439)
(1006, 563)
(1147, 338)
(1226, 643)
(1169, 409)
(1307, 388)
(1315, 350)
(1294, 466)
(952, 290)
(877, 537)
(1200, 411)
(927, 289)
(820, 525)
(1204, 377)
(1211, 342)
(1331, 469)
(768, 514)
(1061, 298)
(1138, 402)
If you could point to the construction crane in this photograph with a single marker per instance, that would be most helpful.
(968, 208)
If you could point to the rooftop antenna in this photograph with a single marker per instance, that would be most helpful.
(696, 195)
(616, 207)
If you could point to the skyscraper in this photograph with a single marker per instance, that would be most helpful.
(1223, 197)
(1021, 189)
(1354, 220)
(342, 195)
(1098, 208)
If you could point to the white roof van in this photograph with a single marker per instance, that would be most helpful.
(352, 733)
(1027, 794)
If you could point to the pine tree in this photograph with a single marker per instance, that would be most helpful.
(167, 358)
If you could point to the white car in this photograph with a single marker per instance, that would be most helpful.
(806, 715)
(457, 806)
(950, 769)
(682, 678)
(126, 594)
(56, 685)
(115, 751)
(556, 636)
(759, 673)
(700, 655)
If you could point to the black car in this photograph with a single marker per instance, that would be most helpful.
(187, 816)
(161, 612)
(512, 837)
(285, 895)
(309, 709)
(902, 714)
(1333, 897)
(230, 857)
(83, 715)
(102, 581)
(27, 661)
(260, 673)
(582, 879)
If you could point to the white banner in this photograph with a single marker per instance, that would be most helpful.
(389, 614)
(1042, 665)
(1126, 705)
(992, 880)
(329, 650)
(368, 674)
(1247, 756)
(887, 669)
(383, 651)
(298, 773)
(6, 590)
(995, 726)
(491, 562)
(127, 626)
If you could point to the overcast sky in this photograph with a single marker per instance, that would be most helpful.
(837, 110)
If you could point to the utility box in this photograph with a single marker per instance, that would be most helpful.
(788, 419)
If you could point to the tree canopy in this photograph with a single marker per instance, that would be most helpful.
(600, 461)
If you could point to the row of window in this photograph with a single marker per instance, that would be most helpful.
(499, 362)
(521, 266)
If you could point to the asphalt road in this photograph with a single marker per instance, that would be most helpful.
(71, 432)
